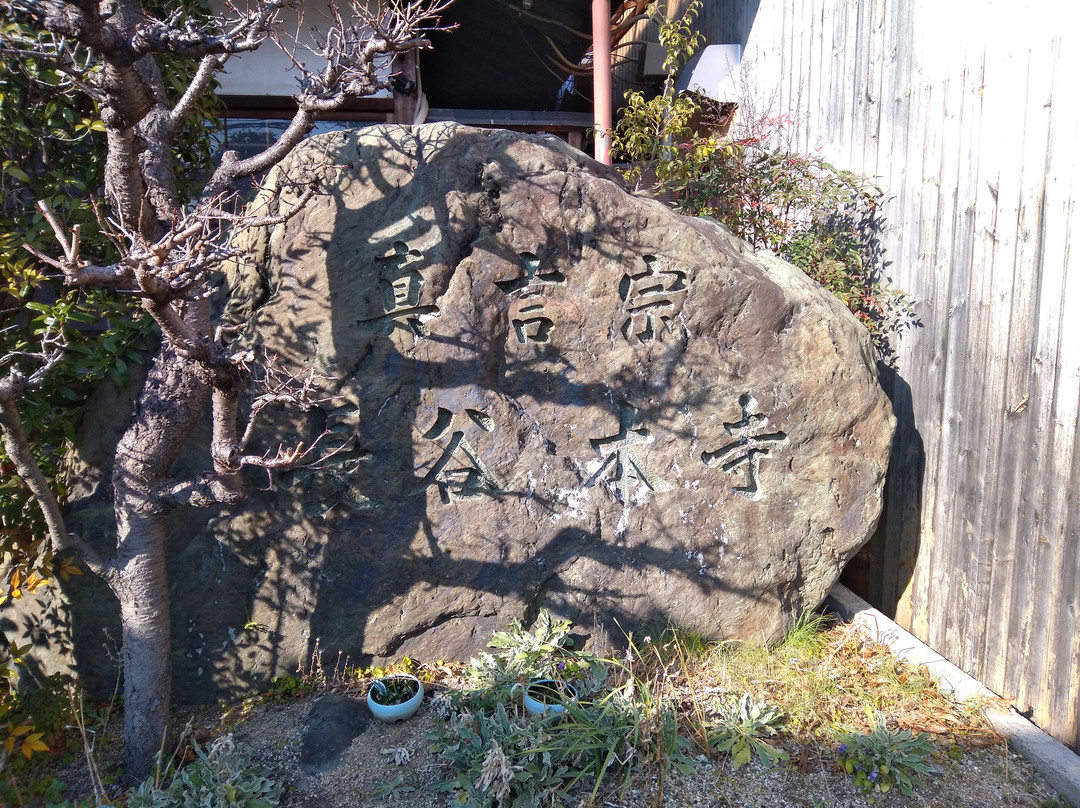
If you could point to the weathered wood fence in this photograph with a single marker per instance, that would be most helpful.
(968, 113)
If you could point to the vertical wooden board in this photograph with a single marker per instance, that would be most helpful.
(822, 55)
(890, 168)
(1065, 697)
(952, 465)
(916, 279)
(747, 18)
(860, 78)
(1039, 528)
(1058, 709)
(709, 21)
(758, 75)
(808, 70)
(877, 66)
(1063, 204)
(992, 271)
(1008, 569)
(911, 97)
(820, 28)
(855, 78)
(843, 99)
(933, 302)
(725, 21)
(833, 77)
(953, 602)
(792, 50)
(780, 63)
(781, 46)
(899, 547)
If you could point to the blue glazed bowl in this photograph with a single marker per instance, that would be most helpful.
(546, 696)
(392, 713)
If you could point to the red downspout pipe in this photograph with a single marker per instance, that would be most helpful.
(601, 26)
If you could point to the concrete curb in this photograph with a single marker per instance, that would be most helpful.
(1058, 764)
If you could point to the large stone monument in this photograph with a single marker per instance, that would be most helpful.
(547, 392)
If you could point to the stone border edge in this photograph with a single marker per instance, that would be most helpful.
(1058, 764)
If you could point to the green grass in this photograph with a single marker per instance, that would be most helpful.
(822, 675)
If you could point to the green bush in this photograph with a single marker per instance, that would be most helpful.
(884, 758)
(822, 219)
(216, 779)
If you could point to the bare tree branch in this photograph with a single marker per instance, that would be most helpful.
(13, 387)
(170, 248)
(188, 38)
(281, 386)
(209, 66)
(353, 52)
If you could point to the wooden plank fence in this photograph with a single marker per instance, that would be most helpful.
(967, 114)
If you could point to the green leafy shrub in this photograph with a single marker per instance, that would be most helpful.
(822, 219)
(649, 130)
(739, 728)
(216, 779)
(288, 688)
(884, 758)
(546, 652)
(498, 754)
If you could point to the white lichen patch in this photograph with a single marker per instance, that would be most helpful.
(574, 500)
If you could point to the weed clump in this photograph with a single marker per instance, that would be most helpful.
(219, 778)
(884, 758)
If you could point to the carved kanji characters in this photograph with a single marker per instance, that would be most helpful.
(621, 463)
(750, 444)
(531, 323)
(400, 284)
(652, 299)
(459, 472)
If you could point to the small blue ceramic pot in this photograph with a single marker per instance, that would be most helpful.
(546, 696)
(392, 713)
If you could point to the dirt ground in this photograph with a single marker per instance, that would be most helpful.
(272, 733)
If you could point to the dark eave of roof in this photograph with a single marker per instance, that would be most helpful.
(502, 55)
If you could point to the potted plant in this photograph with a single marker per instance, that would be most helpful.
(395, 697)
(544, 696)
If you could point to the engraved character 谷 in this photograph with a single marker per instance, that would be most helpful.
(459, 472)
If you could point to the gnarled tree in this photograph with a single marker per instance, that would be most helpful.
(170, 247)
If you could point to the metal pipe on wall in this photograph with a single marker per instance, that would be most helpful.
(601, 26)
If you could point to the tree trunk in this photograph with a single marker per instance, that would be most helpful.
(143, 592)
(172, 398)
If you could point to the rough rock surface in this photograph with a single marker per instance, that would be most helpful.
(549, 393)
(334, 722)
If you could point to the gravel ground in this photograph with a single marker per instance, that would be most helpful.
(272, 734)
